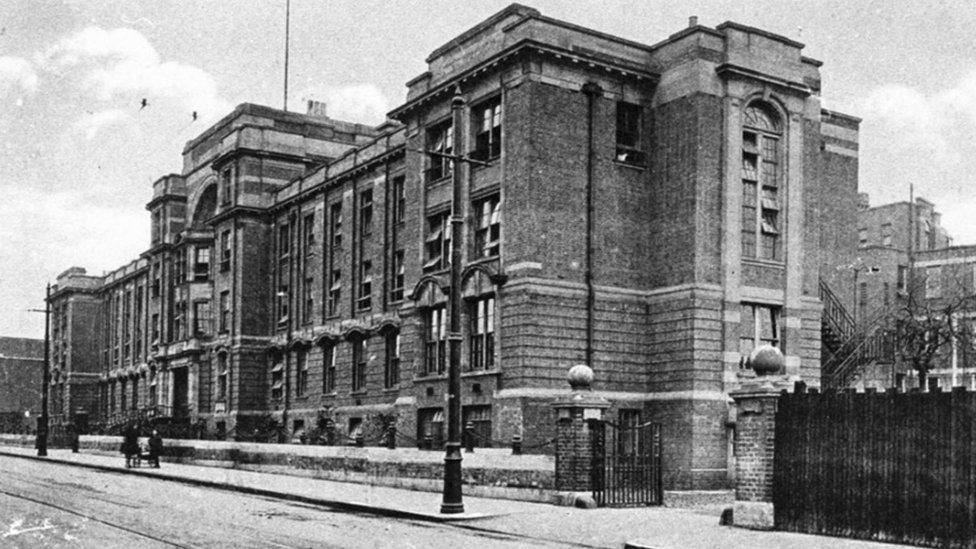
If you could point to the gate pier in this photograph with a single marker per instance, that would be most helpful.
(578, 417)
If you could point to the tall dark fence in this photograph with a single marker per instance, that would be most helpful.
(882, 466)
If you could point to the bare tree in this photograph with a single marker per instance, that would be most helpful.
(926, 328)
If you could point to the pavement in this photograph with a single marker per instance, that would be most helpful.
(645, 527)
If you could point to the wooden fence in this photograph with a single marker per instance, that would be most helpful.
(883, 466)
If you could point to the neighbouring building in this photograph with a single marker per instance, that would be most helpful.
(658, 210)
(21, 374)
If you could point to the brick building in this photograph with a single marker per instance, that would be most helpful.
(21, 372)
(658, 210)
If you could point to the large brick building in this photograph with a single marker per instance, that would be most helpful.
(656, 210)
(21, 372)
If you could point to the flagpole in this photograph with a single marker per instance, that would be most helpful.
(287, 28)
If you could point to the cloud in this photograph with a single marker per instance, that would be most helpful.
(362, 103)
(122, 64)
(17, 75)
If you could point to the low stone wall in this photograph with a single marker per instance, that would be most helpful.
(488, 472)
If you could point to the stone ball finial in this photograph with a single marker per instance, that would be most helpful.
(580, 377)
(766, 360)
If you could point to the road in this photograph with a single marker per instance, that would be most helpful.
(51, 505)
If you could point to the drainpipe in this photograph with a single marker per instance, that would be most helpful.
(592, 91)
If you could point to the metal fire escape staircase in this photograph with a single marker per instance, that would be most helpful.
(848, 347)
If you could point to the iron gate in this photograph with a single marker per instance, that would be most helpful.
(626, 464)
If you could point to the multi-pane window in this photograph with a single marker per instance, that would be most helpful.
(137, 330)
(759, 325)
(181, 320)
(365, 285)
(437, 245)
(440, 141)
(366, 213)
(481, 337)
(933, 282)
(201, 318)
(226, 177)
(284, 241)
(224, 310)
(760, 184)
(156, 280)
(862, 237)
(487, 235)
(328, 368)
(277, 378)
(359, 364)
(126, 323)
(399, 200)
(396, 290)
(301, 372)
(903, 278)
(283, 296)
(335, 291)
(155, 328)
(221, 377)
(308, 301)
(391, 372)
(179, 264)
(886, 235)
(435, 340)
(157, 227)
(629, 146)
(201, 263)
(225, 251)
(488, 124)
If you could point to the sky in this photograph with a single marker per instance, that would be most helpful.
(79, 151)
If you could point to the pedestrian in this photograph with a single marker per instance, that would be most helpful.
(130, 445)
(155, 448)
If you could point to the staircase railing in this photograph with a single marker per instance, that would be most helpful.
(835, 314)
(870, 342)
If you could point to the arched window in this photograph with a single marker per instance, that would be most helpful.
(762, 173)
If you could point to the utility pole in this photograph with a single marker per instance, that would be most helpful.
(41, 440)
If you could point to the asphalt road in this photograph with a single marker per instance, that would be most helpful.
(50, 505)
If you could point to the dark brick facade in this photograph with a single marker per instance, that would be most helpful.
(666, 271)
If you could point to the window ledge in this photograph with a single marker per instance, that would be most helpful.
(631, 165)
(391, 390)
(360, 392)
(764, 262)
(476, 373)
(430, 377)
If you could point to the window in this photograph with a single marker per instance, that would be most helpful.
(335, 292)
(396, 292)
(933, 282)
(224, 311)
(180, 320)
(862, 299)
(886, 235)
(201, 318)
(359, 364)
(478, 418)
(180, 266)
(155, 329)
(391, 372)
(309, 237)
(307, 300)
(277, 378)
(226, 177)
(225, 251)
(488, 121)
(399, 200)
(328, 368)
(301, 372)
(862, 237)
(629, 147)
(284, 241)
(760, 184)
(487, 235)
(437, 246)
(430, 428)
(365, 285)
(137, 330)
(902, 278)
(201, 263)
(283, 296)
(157, 227)
(221, 377)
(440, 141)
(481, 340)
(366, 213)
(335, 214)
(435, 342)
(156, 284)
(759, 325)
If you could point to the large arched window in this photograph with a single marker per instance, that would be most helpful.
(761, 176)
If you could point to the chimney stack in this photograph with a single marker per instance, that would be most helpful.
(693, 21)
(316, 108)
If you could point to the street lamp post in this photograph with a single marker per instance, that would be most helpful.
(41, 439)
